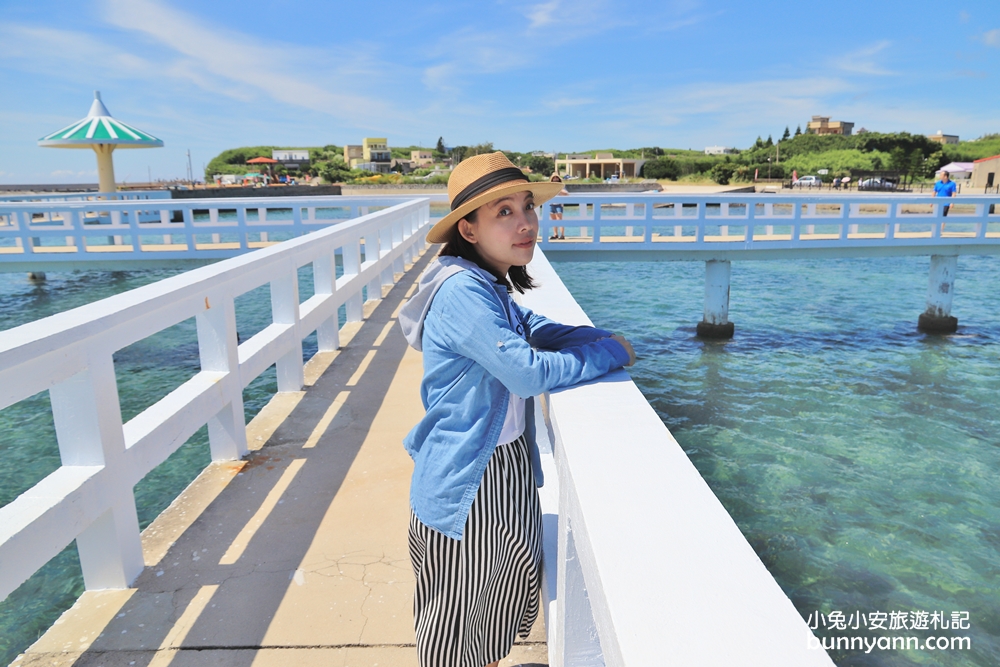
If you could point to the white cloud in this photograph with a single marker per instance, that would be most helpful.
(864, 61)
(542, 15)
(560, 103)
(991, 37)
(62, 173)
(244, 66)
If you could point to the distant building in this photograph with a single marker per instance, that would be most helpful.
(292, 159)
(862, 130)
(720, 150)
(602, 165)
(420, 158)
(823, 125)
(377, 156)
(958, 170)
(942, 138)
(353, 156)
(984, 172)
(403, 166)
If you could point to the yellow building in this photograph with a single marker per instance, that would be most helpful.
(353, 156)
(942, 138)
(377, 156)
(602, 165)
(823, 125)
(419, 158)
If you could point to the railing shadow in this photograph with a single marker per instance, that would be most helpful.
(211, 592)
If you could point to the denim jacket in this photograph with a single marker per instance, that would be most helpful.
(478, 346)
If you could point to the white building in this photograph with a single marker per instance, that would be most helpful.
(291, 159)
(958, 170)
(720, 150)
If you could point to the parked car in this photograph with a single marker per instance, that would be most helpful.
(808, 182)
(876, 183)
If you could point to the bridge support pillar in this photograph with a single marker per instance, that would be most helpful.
(940, 291)
(716, 322)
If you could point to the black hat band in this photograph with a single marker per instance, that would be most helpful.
(484, 183)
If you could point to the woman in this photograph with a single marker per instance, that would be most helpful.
(556, 211)
(475, 520)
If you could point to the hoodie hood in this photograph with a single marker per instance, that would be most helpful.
(411, 316)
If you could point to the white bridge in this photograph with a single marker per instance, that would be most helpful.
(673, 581)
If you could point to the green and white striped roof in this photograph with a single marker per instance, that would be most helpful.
(99, 128)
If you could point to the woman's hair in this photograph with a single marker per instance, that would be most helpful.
(457, 246)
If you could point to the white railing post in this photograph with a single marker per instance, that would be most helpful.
(325, 281)
(352, 267)
(385, 244)
(218, 350)
(576, 637)
(398, 264)
(285, 310)
(88, 424)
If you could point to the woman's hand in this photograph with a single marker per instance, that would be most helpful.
(628, 348)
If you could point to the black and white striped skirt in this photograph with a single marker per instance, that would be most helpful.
(475, 594)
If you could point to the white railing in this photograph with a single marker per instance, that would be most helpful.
(89, 498)
(643, 565)
(40, 236)
(86, 196)
(761, 226)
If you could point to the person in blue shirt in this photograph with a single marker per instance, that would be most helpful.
(945, 187)
(475, 520)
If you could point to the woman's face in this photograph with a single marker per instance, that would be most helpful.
(504, 231)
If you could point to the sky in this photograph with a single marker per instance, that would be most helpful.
(555, 75)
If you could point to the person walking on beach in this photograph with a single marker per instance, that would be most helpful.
(556, 211)
(945, 187)
(475, 519)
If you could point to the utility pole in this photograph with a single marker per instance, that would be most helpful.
(190, 174)
(149, 170)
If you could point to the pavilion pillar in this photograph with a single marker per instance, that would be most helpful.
(105, 167)
(716, 322)
(940, 292)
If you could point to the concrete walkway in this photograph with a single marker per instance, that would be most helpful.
(295, 555)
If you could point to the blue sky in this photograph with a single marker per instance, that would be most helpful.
(556, 75)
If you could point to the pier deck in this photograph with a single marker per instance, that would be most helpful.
(296, 554)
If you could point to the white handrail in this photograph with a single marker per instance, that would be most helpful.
(763, 226)
(89, 497)
(648, 567)
(69, 234)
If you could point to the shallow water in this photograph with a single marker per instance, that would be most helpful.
(859, 457)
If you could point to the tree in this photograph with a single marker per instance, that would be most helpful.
(759, 143)
(540, 164)
(787, 134)
(769, 142)
(440, 145)
(722, 173)
(662, 167)
(798, 130)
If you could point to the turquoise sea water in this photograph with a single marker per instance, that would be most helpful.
(858, 456)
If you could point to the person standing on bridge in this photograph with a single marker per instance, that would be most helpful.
(556, 211)
(945, 188)
(475, 519)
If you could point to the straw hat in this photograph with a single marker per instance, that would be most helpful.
(480, 180)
